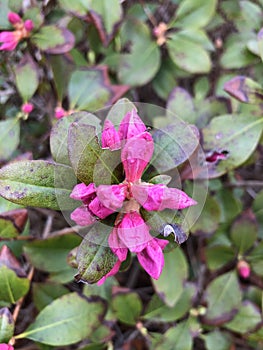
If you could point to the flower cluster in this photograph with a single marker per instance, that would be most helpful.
(22, 30)
(130, 231)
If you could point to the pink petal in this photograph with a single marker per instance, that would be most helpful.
(9, 40)
(136, 154)
(112, 272)
(131, 125)
(82, 192)
(14, 18)
(6, 347)
(82, 216)
(27, 108)
(110, 137)
(59, 112)
(98, 209)
(152, 259)
(117, 246)
(134, 232)
(112, 196)
(160, 197)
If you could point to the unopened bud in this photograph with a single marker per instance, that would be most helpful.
(29, 25)
(243, 269)
(14, 18)
(27, 108)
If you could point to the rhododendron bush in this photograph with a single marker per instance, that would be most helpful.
(131, 174)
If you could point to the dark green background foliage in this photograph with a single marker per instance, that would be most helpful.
(205, 68)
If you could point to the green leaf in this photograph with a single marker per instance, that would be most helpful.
(238, 135)
(78, 7)
(26, 75)
(244, 232)
(140, 66)
(255, 259)
(165, 79)
(104, 291)
(7, 325)
(244, 89)
(127, 307)
(236, 54)
(9, 137)
(258, 210)
(170, 285)
(12, 287)
(90, 162)
(195, 13)
(12, 223)
(34, 14)
(218, 256)
(223, 296)
(217, 340)
(188, 55)
(209, 218)
(176, 338)
(107, 17)
(59, 134)
(173, 145)
(65, 321)
(38, 183)
(50, 255)
(95, 258)
(160, 312)
(53, 39)
(180, 103)
(247, 318)
(45, 293)
(88, 89)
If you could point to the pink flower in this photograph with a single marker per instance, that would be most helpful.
(22, 30)
(59, 112)
(6, 347)
(27, 108)
(9, 40)
(130, 231)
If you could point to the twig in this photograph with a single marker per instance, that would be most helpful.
(66, 230)
(148, 14)
(48, 226)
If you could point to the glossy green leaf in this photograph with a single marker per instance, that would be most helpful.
(173, 144)
(7, 325)
(170, 285)
(157, 310)
(247, 319)
(140, 66)
(45, 293)
(244, 232)
(65, 321)
(78, 7)
(12, 287)
(223, 297)
(180, 103)
(95, 258)
(59, 134)
(237, 135)
(176, 338)
(9, 137)
(26, 75)
(217, 340)
(165, 79)
(127, 307)
(107, 17)
(188, 55)
(53, 39)
(218, 256)
(195, 13)
(236, 54)
(90, 162)
(50, 255)
(38, 183)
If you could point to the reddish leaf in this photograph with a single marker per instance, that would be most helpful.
(18, 217)
(8, 259)
(244, 89)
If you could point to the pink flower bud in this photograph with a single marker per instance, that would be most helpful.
(6, 347)
(59, 112)
(14, 18)
(110, 137)
(131, 125)
(29, 25)
(27, 108)
(243, 269)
